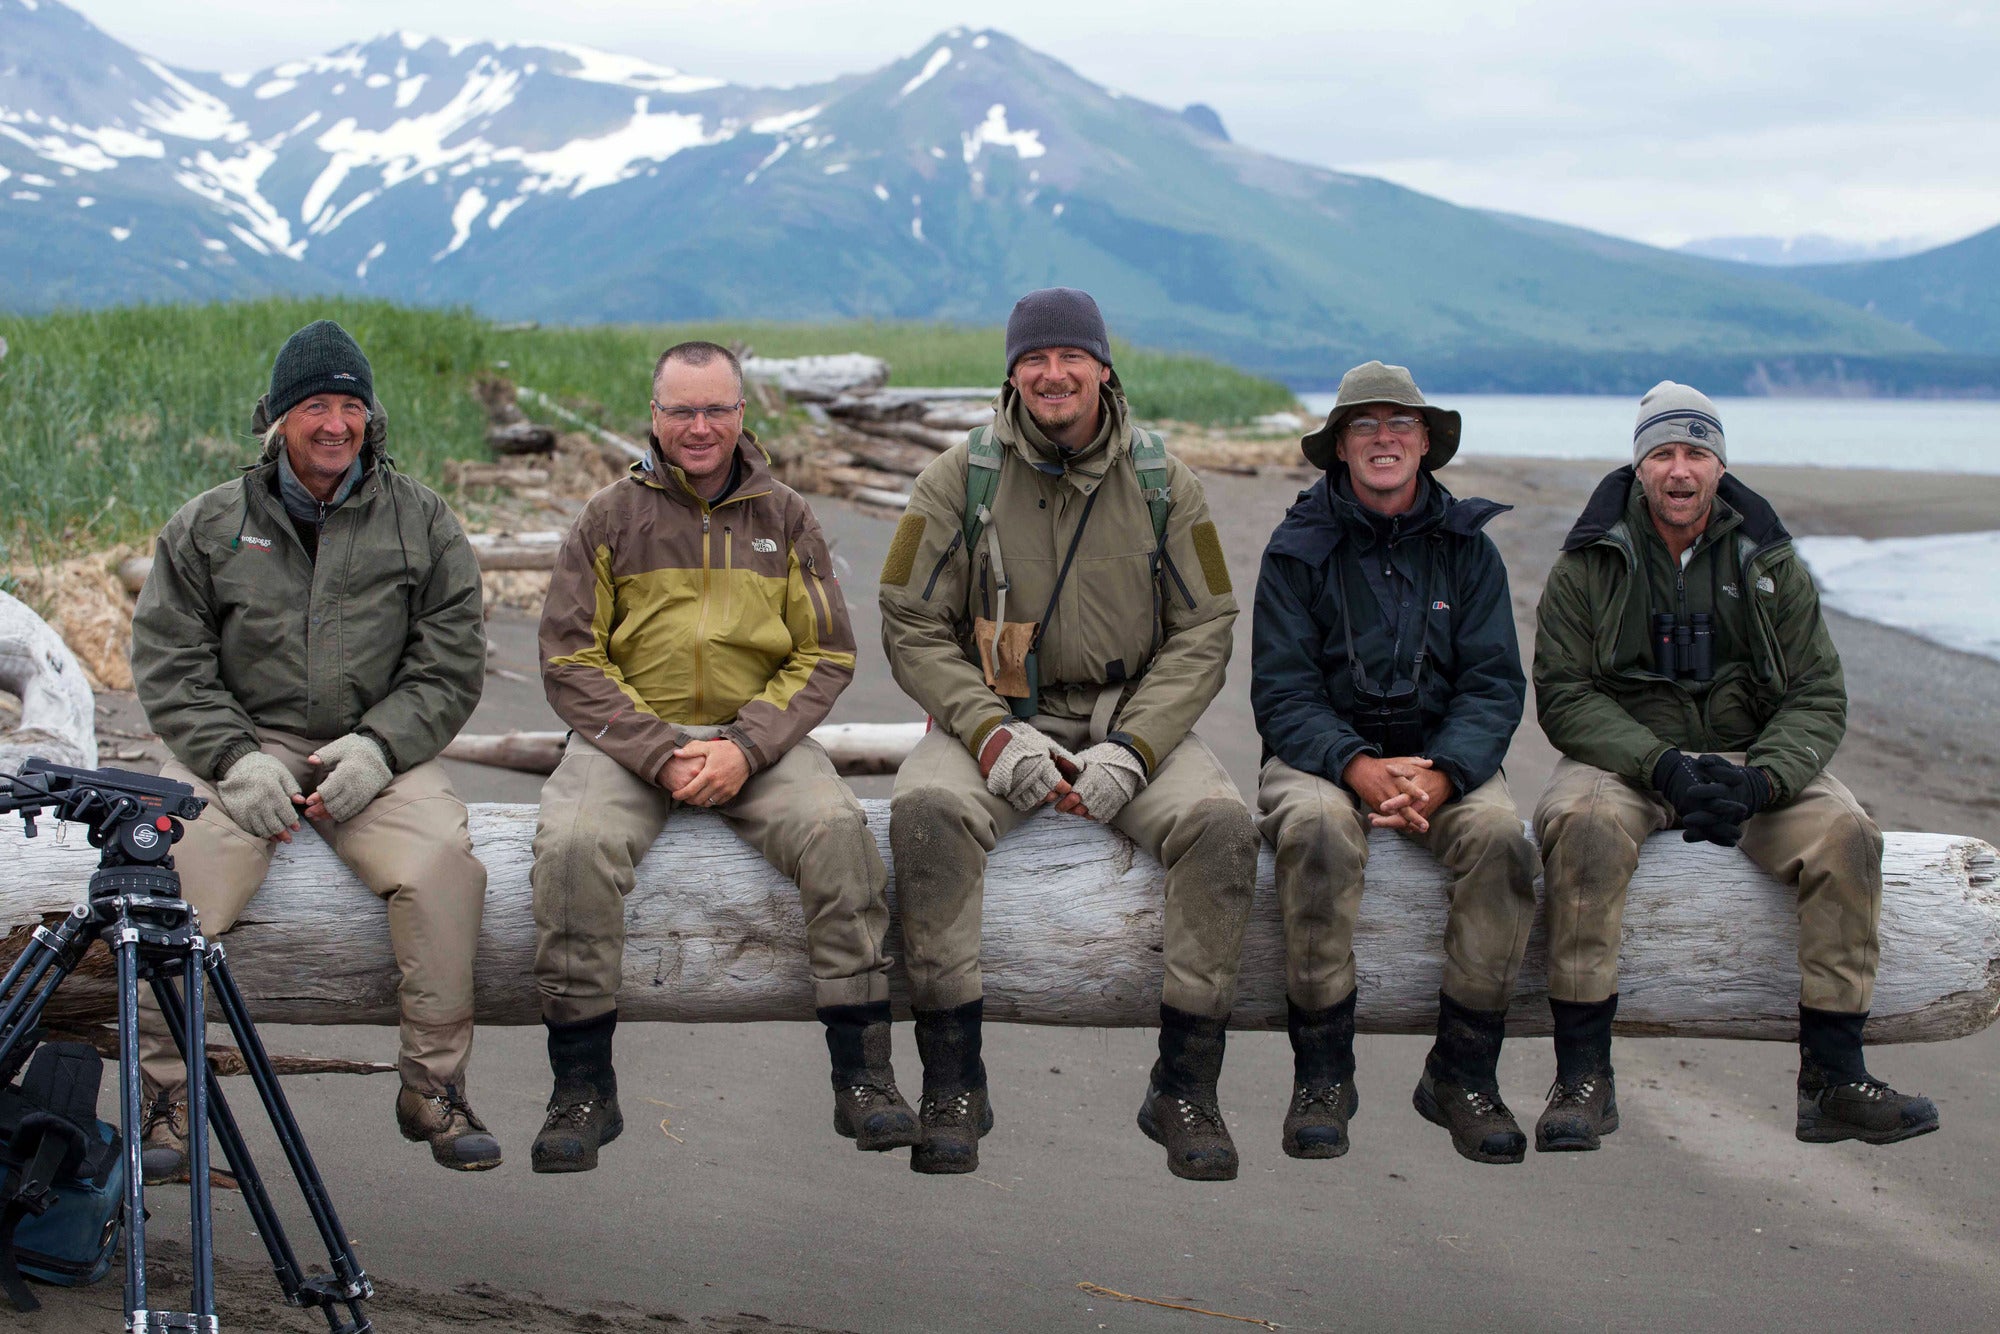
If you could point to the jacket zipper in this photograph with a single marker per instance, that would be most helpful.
(701, 623)
(816, 594)
(938, 569)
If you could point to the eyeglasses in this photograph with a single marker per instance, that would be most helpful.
(319, 409)
(680, 416)
(1367, 428)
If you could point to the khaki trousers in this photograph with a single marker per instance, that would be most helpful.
(1319, 832)
(1591, 825)
(943, 823)
(411, 848)
(598, 819)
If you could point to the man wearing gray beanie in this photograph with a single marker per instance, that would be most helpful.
(1683, 669)
(1057, 601)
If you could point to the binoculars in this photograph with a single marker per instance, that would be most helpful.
(1684, 647)
(1391, 719)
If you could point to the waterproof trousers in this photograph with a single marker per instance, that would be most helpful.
(599, 819)
(1318, 831)
(1822, 845)
(943, 823)
(411, 848)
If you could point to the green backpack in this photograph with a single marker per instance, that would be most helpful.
(982, 480)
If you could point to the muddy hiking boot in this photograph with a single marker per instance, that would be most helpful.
(866, 1106)
(163, 1139)
(1323, 1094)
(1460, 1088)
(1180, 1111)
(1583, 1102)
(583, 1110)
(954, 1111)
(445, 1121)
(1839, 1099)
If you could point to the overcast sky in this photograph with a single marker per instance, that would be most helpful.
(1857, 119)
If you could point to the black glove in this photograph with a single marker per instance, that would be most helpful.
(1746, 787)
(1707, 810)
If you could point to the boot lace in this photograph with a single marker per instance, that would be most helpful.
(1572, 1095)
(873, 1093)
(570, 1115)
(1310, 1096)
(1200, 1117)
(945, 1108)
(1483, 1104)
(165, 1112)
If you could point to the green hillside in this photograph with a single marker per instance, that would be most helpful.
(1951, 294)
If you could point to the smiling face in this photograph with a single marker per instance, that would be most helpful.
(1063, 389)
(1383, 446)
(697, 417)
(322, 438)
(1680, 481)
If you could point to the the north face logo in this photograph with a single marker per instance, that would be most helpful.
(763, 544)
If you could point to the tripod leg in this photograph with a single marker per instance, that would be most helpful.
(125, 947)
(263, 1216)
(46, 951)
(352, 1286)
(194, 1049)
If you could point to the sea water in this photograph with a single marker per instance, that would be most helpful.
(1945, 589)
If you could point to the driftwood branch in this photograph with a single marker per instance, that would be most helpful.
(1072, 935)
(58, 710)
(854, 748)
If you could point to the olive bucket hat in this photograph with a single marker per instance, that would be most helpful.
(1376, 383)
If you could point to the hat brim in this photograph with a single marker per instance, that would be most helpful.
(1443, 425)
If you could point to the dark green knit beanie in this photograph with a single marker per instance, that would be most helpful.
(319, 359)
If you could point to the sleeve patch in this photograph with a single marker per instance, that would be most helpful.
(902, 558)
(1208, 548)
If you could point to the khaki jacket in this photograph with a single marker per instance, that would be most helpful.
(666, 611)
(238, 629)
(1162, 645)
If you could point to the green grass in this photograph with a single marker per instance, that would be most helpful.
(110, 420)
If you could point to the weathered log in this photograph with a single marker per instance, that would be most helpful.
(625, 448)
(58, 710)
(881, 499)
(521, 437)
(1072, 935)
(847, 478)
(473, 472)
(936, 442)
(820, 379)
(854, 748)
(957, 417)
(889, 455)
(889, 404)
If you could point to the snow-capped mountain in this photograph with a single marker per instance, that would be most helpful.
(556, 182)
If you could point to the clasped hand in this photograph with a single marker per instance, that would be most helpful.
(705, 773)
(1400, 791)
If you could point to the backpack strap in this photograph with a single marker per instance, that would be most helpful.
(982, 482)
(48, 1145)
(1149, 456)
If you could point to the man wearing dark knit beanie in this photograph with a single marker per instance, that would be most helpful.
(308, 640)
(1683, 669)
(1082, 558)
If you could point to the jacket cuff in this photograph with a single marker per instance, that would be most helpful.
(1139, 748)
(751, 754)
(1340, 753)
(381, 744)
(1460, 776)
(231, 753)
(984, 730)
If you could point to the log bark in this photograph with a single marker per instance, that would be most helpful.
(820, 379)
(1072, 935)
(889, 455)
(58, 710)
(520, 437)
(854, 748)
(934, 442)
(625, 448)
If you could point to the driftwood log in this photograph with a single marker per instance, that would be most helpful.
(1072, 935)
(854, 748)
(820, 379)
(58, 710)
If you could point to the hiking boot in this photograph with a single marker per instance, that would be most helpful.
(866, 1105)
(163, 1156)
(1323, 1093)
(583, 1109)
(445, 1120)
(1583, 1102)
(1180, 1111)
(1460, 1089)
(1578, 1116)
(954, 1112)
(1839, 1099)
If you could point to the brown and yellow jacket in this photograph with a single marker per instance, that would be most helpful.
(668, 611)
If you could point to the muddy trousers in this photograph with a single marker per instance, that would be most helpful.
(943, 823)
(411, 848)
(1822, 845)
(599, 819)
(1319, 833)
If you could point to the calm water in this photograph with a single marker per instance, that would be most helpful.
(1919, 435)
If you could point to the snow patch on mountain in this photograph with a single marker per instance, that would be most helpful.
(593, 66)
(939, 59)
(189, 112)
(583, 165)
(408, 89)
(784, 120)
(232, 183)
(993, 130)
(463, 214)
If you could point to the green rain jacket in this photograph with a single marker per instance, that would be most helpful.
(237, 628)
(1777, 691)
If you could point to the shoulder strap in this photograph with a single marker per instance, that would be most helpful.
(1149, 456)
(982, 481)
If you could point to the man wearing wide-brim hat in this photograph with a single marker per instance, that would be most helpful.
(1386, 679)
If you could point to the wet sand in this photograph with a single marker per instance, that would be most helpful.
(730, 1204)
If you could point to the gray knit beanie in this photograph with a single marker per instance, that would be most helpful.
(1674, 414)
(319, 359)
(1056, 317)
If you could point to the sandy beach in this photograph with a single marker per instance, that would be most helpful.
(730, 1204)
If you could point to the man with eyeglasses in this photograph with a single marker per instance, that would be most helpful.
(1683, 669)
(1057, 601)
(694, 634)
(309, 639)
(1386, 680)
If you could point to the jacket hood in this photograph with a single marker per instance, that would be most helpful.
(371, 439)
(1321, 518)
(1607, 507)
(656, 472)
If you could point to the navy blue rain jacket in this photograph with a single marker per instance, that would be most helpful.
(1473, 688)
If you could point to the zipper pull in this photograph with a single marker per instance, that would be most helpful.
(704, 521)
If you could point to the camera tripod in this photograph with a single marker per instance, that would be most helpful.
(135, 907)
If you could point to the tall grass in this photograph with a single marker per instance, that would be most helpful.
(110, 420)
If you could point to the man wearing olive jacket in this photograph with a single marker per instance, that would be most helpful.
(1683, 669)
(307, 642)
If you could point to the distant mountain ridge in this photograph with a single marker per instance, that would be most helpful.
(1811, 248)
(554, 182)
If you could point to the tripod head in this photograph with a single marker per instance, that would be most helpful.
(133, 819)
